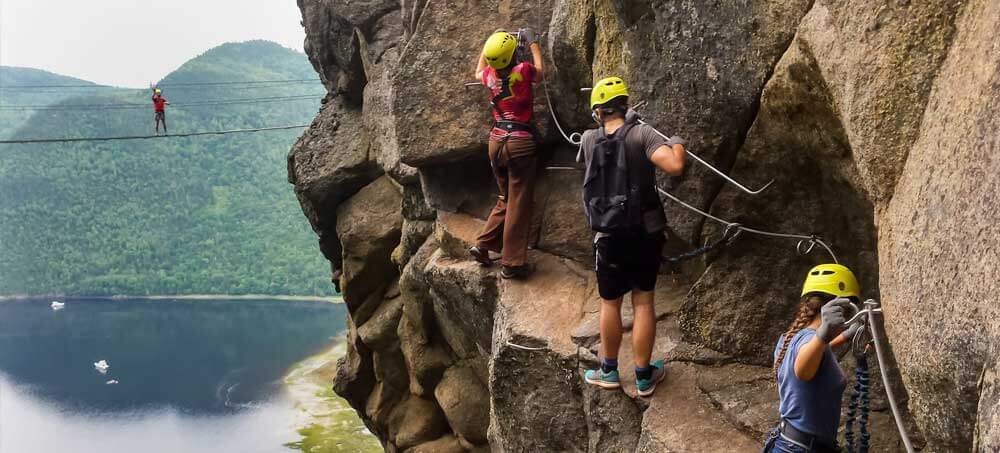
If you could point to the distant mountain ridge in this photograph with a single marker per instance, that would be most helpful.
(13, 79)
(166, 216)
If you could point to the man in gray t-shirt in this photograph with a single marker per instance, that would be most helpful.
(629, 262)
(644, 137)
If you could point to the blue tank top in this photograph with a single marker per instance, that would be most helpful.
(811, 406)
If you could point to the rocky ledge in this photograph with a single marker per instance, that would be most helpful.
(875, 119)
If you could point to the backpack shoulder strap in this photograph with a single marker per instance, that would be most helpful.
(626, 129)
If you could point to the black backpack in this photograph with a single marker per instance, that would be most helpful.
(612, 194)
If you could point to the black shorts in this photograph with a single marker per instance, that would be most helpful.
(624, 263)
(159, 116)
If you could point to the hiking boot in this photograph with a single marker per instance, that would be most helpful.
(601, 379)
(515, 272)
(646, 387)
(481, 255)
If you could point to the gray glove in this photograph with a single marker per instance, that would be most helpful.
(529, 36)
(832, 319)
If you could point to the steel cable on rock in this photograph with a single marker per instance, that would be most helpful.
(812, 240)
(890, 395)
(143, 137)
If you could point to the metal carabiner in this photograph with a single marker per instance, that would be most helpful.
(859, 314)
(733, 228)
(798, 247)
(860, 341)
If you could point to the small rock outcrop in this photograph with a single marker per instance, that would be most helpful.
(876, 120)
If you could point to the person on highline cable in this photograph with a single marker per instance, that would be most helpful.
(159, 110)
(626, 213)
(511, 150)
(810, 382)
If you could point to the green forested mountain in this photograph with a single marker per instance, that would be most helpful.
(11, 78)
(210, 214)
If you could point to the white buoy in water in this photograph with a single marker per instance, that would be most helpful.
(58, 305)
(102, 366)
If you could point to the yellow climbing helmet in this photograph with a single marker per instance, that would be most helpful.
(833, 279)
(157, 91)
(607, 89)
(499, 49)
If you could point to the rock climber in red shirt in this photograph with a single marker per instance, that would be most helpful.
(159, 108)
(511, 149)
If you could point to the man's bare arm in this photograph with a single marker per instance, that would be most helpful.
(670, 159)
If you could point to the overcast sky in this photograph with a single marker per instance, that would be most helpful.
(135, 42)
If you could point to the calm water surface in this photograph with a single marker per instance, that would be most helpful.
(192, 376)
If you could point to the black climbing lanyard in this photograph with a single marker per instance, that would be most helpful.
(860, 405)
(858, 409)
(728, 238)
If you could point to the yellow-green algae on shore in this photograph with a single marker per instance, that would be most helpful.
(329, 425)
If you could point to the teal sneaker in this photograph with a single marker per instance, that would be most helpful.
(601, 379)
(646, 387)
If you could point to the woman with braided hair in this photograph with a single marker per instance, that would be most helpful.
(810, 382)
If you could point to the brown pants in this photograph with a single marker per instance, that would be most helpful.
(515, 167)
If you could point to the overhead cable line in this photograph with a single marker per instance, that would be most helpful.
(143, 137)
(208, 102)
(162, 85)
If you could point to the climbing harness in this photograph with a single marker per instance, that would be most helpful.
(728, 238)
(806, 243)
(866, 316)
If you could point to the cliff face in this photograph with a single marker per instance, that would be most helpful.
(876, 120)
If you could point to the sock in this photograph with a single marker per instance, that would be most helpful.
(644, 373)
(609, 365)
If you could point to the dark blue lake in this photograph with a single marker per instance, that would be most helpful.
(183, 375)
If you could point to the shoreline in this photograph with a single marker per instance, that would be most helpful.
(329, 299)
(326, 422)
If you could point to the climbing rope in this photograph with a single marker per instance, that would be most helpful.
(805, 246)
